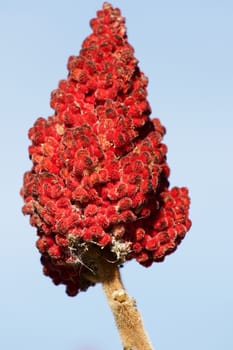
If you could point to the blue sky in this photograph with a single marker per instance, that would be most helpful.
(185, 48)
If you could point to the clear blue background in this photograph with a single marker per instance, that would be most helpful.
(185, 47)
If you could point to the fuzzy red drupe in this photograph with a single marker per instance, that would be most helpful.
(99, 176)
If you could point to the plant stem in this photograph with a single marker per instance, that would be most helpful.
(127, 317)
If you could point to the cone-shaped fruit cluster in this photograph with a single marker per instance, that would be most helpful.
(99, 175)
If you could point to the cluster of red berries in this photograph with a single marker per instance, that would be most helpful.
(99, 174)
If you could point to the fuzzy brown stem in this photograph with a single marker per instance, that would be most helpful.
(127, 317)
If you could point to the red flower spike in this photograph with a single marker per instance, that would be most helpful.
(99, 176)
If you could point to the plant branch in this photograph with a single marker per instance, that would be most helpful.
(126, 315)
